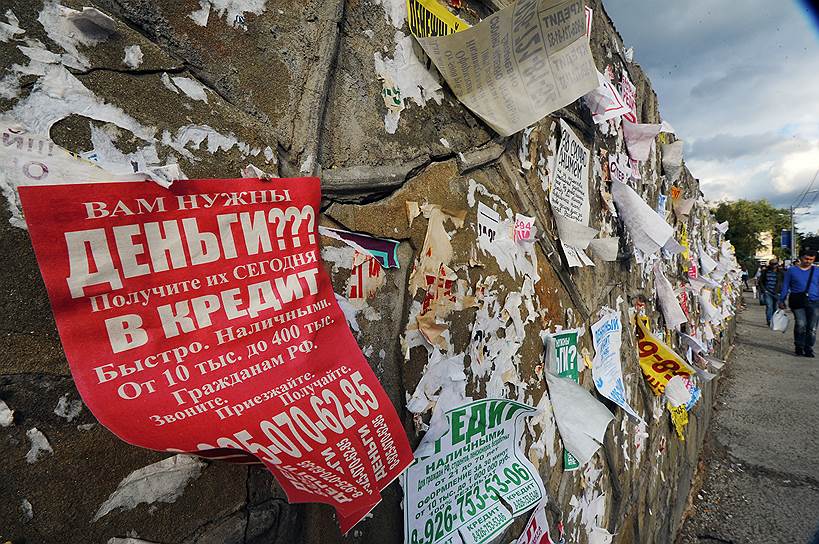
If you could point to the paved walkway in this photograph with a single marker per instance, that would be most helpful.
(761, 476)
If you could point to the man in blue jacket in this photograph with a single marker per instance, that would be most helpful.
(802, 284)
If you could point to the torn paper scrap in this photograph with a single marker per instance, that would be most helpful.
(599, 535)
(682, 207)
(6, 415)
(437, 248)
(581, 419)
(629, 93)
(163, 481)
(649, 232)
(708, 264)
(676, 392)
(665, 126)
(576, 257)
(605, 101)
(429, 18)
(385, 250)
(133, 56)
(485, 478)
(639, 139)
(233, 11)
(619, 167)
(669, 303)
(28, 510)
(11, 28)
(68, 409)
(525, 229)
(672, 159)
(722, 227)
(192, 88)
(606, 249)
(39, 445)
(537, 528)
(549, 62)
(128, 540)
(251, 171)
(607, 370)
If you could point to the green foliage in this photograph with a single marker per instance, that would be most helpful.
(749, 218)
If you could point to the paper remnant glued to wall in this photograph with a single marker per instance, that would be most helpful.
(429, 18)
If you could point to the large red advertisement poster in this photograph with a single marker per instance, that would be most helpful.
(200, 319)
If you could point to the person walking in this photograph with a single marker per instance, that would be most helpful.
(745, 278)
(770, 283)
(802, 285)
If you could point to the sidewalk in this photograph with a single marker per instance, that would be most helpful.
(760, 482)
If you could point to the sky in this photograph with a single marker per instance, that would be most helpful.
(739, 81)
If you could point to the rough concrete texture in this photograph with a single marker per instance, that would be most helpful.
(760, 480)
(299, 78)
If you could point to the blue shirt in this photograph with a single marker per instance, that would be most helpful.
(795, 281)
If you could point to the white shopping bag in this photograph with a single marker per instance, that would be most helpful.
(779, 321)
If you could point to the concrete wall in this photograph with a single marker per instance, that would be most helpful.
(300, 79)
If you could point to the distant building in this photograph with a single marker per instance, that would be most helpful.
(765, 252)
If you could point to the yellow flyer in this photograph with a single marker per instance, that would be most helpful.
(679, 415)
(428, 18)
(658, 362)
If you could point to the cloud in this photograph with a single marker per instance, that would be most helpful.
(738, 81)
(730, 146)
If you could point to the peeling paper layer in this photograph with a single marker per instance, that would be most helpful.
(669, 303)
(232, 10)
(404, 78)
(581, 419)
(672, 159)
(605, 248)
(70, 28)
(639, 139)
(540, 79)
(605, 101)
(649, 231)
(163, 481)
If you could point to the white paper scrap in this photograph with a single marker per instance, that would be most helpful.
(605, 101)
(163, 481)
(6, 415)
(11, 28)
(39, 444)
(677, 392)
(607, 370)
(192, 88)
(669, 303)
(639, 139)
(581, 419)
(672, 159)
(549, 63)
(68, 409)
(133, 56)
(649, 231)
(28, 510)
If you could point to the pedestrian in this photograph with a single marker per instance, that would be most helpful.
(770, 283)
(802, 285)
(745, 278)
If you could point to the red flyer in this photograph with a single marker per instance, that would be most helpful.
(200, 319)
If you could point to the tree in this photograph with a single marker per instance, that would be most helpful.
(746, 220)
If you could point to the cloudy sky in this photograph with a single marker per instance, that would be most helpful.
(739, 81)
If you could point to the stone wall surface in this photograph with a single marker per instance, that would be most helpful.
(293, 87)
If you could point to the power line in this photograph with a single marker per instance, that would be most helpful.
(808, 190)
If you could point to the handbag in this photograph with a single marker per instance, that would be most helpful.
(797, 301)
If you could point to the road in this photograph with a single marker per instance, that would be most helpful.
(761, 461)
